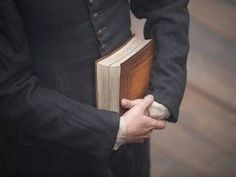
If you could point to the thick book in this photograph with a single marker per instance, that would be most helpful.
(124, 73)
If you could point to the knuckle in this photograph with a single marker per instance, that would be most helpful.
(161, 126)
(155, 124)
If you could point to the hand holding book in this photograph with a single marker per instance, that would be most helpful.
(156, 110)
(125, 73)
(136, 124)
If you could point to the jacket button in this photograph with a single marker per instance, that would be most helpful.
(103, 47)
(95, 16)
(100, 33)
(91, 2)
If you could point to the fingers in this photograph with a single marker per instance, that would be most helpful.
(137, 141)
(145, 131)
(146, 102)
(160, 124)
(154, 123)
(138, 124)
(141, 138)
(127, 104)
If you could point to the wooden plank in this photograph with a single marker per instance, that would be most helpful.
(167, 164)
(215, 14)
(213, 46)
(206, 114)
(212, 78)
(202, 139)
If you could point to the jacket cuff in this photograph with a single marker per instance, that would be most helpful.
(112, 137)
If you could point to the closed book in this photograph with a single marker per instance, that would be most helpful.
(124, 73)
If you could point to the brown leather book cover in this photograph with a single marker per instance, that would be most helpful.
(124, 73)
(135, 74)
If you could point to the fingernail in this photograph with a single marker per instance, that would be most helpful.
(124, 102)
(150, 96)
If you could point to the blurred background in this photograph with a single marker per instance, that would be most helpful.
(203, 142)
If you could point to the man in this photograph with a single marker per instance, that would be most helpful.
(49, 123)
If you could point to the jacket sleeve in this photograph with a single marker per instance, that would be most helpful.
(30, 107)
(168, 24)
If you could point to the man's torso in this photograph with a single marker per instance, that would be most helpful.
(66, 37)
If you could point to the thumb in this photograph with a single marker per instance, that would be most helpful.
(128, 104)
(146, 102)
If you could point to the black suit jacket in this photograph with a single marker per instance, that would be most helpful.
(47, 54)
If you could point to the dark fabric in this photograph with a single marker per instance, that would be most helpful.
(2, 160)
(8, 155)
(168, 24)
(47, 92)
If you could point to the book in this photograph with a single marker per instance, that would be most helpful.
(124, 73)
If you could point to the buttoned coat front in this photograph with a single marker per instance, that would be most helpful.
(47, 88)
